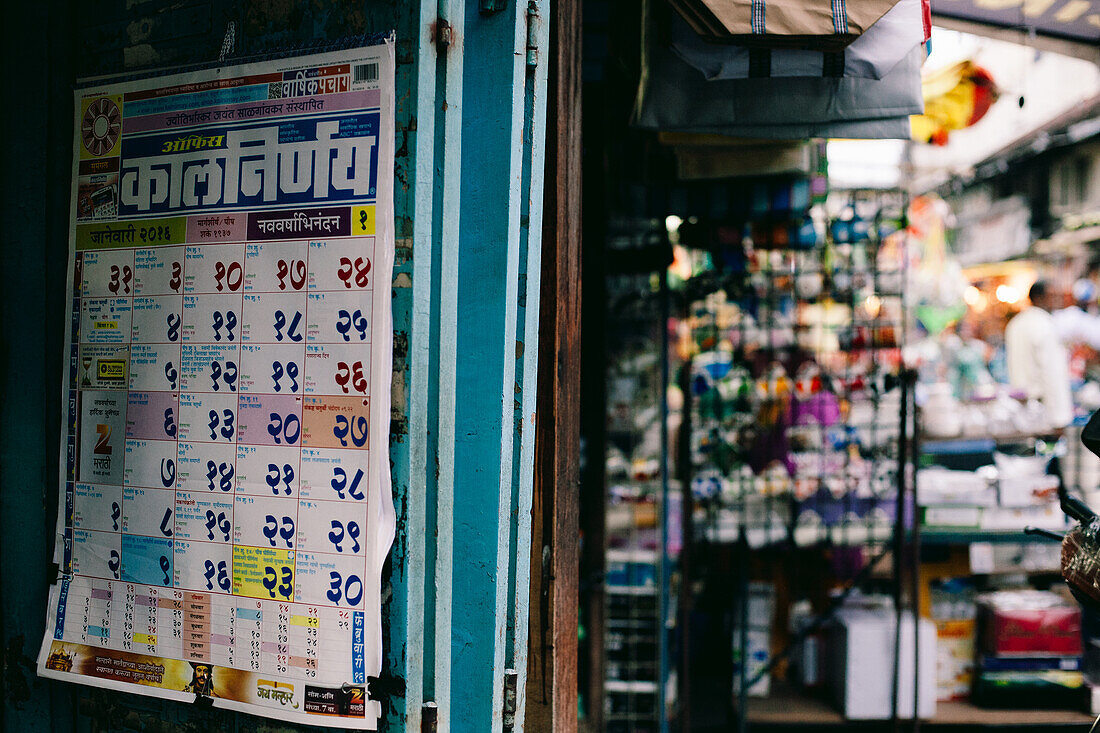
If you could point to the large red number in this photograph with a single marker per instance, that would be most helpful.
(296, 269)
(230, 276)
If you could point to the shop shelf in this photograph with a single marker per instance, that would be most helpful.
(630, 687)
(974, 444)
(786, 707)
(632, 590)
(952, 536)
(963, 713)
(848, 535)
(956, 446)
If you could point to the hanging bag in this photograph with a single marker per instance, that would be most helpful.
(816, 25)
(871, 56)
(674, 96)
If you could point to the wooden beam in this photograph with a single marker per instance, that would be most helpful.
(552, 658)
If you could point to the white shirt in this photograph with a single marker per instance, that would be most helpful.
(1075, 326)
(1038, 363)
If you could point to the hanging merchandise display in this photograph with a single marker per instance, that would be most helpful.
(937, 283)
(642, 531)
(225, 503)
(774, 209)
(954, 98)
(775, 215)
(871, 56)
(796, 408)
(672, 95)
(782, 23)
(789, 413)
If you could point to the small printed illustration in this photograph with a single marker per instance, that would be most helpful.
(202, 680)
(60, 660)
(97, 197)
(100, 126)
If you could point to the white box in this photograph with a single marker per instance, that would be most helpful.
(1046, 516)
(1027, 491)
(953, 516)
(757, 654)
(937, 485)
(861, 663)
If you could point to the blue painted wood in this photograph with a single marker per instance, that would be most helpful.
(433, 387)
(419, 338)
(403, 612)
(487, 489)
(449, 103)
(32, 300)
(535, 100)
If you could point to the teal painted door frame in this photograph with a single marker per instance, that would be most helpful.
(471, 120)
(479, 149)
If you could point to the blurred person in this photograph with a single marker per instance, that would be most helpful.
(969, 359)
(1092, 277)
(1075, 324)
(1037, 360)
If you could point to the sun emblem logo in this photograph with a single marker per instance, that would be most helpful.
(100, 126)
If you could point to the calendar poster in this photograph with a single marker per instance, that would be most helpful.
(225, 505)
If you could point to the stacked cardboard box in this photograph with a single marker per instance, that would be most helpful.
(988, 499)
(1029, 651)
(953, 612)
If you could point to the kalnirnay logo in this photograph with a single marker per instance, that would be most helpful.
(281, 692)
(253, 165)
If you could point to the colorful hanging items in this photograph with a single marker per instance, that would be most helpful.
(955, 97)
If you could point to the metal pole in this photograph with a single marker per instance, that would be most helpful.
(899, 542)
(743, 632)
(908, 382)
(665, 566)
(687, 506)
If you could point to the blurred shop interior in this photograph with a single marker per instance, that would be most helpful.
(809, 453)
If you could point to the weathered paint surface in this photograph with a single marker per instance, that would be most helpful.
(465, 297)
(32, 297)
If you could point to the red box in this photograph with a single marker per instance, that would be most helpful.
(1022, 623)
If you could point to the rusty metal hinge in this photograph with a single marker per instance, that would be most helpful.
(532, 35)
(429, 717)
(511, 678)
(444, 35)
